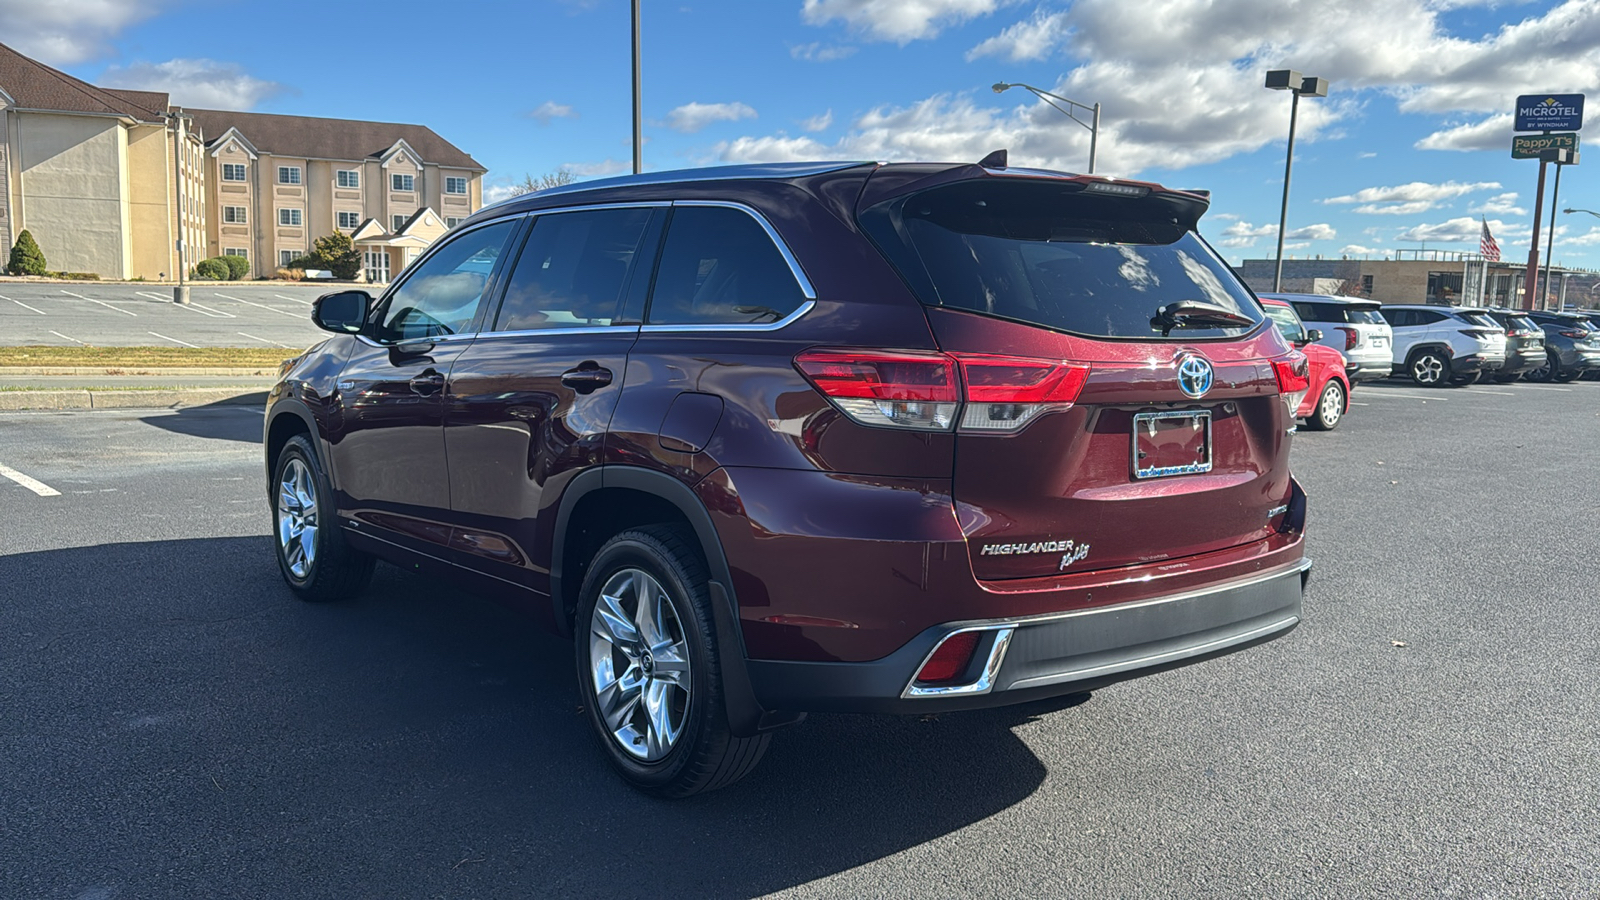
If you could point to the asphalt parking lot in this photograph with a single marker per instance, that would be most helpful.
(175, 725)
(219, 314)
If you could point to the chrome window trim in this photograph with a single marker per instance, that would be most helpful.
(986, 679)
(748, 172)
(547, 332)
(590, 207)
(806, 290)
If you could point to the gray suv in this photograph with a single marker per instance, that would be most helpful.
(1351, 325)
(1438, 345)
(1572, 346)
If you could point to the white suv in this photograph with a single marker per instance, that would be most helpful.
(1350, 325)
(1438, 345)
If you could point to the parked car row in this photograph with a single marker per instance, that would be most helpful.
(1447, 345)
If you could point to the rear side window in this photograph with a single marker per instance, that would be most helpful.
(572, 270)
(719, 267)
(1048, 254)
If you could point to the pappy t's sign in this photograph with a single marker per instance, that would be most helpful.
(1529, 146)
(1549, 112)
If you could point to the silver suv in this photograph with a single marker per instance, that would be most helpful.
(1352, 326)
(1438, 345)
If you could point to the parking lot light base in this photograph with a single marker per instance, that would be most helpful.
(180, 294)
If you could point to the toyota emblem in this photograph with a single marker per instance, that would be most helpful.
(1194, 376)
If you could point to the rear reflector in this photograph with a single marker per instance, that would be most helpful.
(951, 660)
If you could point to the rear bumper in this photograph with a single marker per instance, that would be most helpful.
(1466, 365)
(1032, 658)
(1368, 369)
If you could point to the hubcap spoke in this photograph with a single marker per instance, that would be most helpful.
(611, 621)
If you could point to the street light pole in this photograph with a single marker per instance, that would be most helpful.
(1290, 80)
(638, 121)
(180, 293)
(1093, 124)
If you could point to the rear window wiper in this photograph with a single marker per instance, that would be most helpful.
(1196, 314)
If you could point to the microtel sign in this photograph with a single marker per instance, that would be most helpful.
(1549, 112)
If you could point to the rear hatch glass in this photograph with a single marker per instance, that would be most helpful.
(1137, 469)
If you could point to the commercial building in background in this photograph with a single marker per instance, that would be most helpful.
(1426, 276)
(95, 175)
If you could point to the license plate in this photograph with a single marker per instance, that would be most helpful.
(1380, 342)
(1171, 443)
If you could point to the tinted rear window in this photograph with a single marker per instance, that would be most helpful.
(1047, 254)
(1478, 318)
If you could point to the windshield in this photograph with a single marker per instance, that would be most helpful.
(1049, 255)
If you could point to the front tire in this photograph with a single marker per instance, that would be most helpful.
(1429, 368)
(1330, 408)
(1543, 373)
(312, 554)
(649, 671)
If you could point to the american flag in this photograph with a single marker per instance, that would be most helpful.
(1486, 244)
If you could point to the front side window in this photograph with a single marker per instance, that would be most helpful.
(402, 182)
(455, 185)
(1288, 323)
(232, 171)
(290, 217)
(288, 174)
(440, 296)
(719, 266)
(349, 178)
(572, 270)
(233, 215)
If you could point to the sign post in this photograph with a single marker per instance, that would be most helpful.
(1546, 113)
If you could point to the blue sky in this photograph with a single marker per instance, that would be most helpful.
(1410, 147)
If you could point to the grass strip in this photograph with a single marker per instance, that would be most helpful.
(176, 357)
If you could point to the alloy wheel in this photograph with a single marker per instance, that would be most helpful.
(297, 518)
(1427, 369)
(639, 663)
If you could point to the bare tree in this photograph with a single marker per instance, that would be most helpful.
(532, 185)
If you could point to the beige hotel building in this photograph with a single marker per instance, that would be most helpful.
(108, 180)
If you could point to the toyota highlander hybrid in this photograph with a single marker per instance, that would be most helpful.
(765, 440)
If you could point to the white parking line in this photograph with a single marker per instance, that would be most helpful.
(65, 338)
(294, 299)
(205, 310)
(32, 484)
(265, 341)
(1402, 395)
(24, 305)
(1543, 387)
(101, 302)
(174, 340)
(281, 312)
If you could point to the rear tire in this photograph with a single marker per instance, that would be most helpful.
(1465, 380)
(1329, 409)
(1562, 377)
(312, 554)
(648, 668)
(1543, 373)
(1429, 368)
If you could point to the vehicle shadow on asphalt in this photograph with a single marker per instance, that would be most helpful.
(236, 420)
(182, 726)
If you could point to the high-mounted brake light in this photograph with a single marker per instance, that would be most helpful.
(1116, 190)
(1294, 379)
(922, 390)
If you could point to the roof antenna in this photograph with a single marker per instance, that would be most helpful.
(995, 160)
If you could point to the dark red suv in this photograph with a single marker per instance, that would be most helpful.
(849, 437)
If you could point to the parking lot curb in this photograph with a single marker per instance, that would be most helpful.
(236, 372)
(152, 399)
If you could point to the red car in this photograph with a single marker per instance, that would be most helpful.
(1329, 397)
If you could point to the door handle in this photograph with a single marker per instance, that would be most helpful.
(428, 382)
(586, 377)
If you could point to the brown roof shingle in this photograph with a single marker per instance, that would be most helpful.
(34, 85)
(309, 137)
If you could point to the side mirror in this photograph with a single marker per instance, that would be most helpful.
(1313, 335)
(342, 312)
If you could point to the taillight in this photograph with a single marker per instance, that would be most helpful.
(1578, 335)
(898, 389)
(1351, 337)
(951, 659)
(1004, 393)
(922, 390)
(1294, 379)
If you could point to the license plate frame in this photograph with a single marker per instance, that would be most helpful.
(1149, 429)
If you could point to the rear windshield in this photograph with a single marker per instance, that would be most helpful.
(1521, 324)
(1339, 312)
(1047, 254)
(1480, 318)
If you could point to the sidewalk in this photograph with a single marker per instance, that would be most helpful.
(20, 390)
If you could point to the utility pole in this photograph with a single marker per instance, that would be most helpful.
(638, 91)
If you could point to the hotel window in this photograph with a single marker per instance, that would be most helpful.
(455, 185)
(237, 251)
(287, 256)
(397, 222)
(349, 178)
(402, 182)
(233, 215)
(289, 217)
(452, 221)
(233, 171)
(288, 174)
(349, 220)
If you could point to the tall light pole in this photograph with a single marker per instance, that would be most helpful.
(179, 120)
(638, 91)
(1569, 211)
(1290, 80)
(1093, 125)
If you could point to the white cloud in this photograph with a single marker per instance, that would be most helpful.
(1366, 155)
(1299, 245)
(1493, 133)
(1358, 250)
(901, 21)
(1587, 239)
(1243, 234)
(819, 52)
(1322, 231)
(1032, 38)
(63, 32)
(598, 169)
(1465, 228)
(205, 83)
(551, 110)
(494, 193)
(1500, 204)
(1408, 199)
(692, 117)
(818, 122)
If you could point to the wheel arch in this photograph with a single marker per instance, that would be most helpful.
(285, 419)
